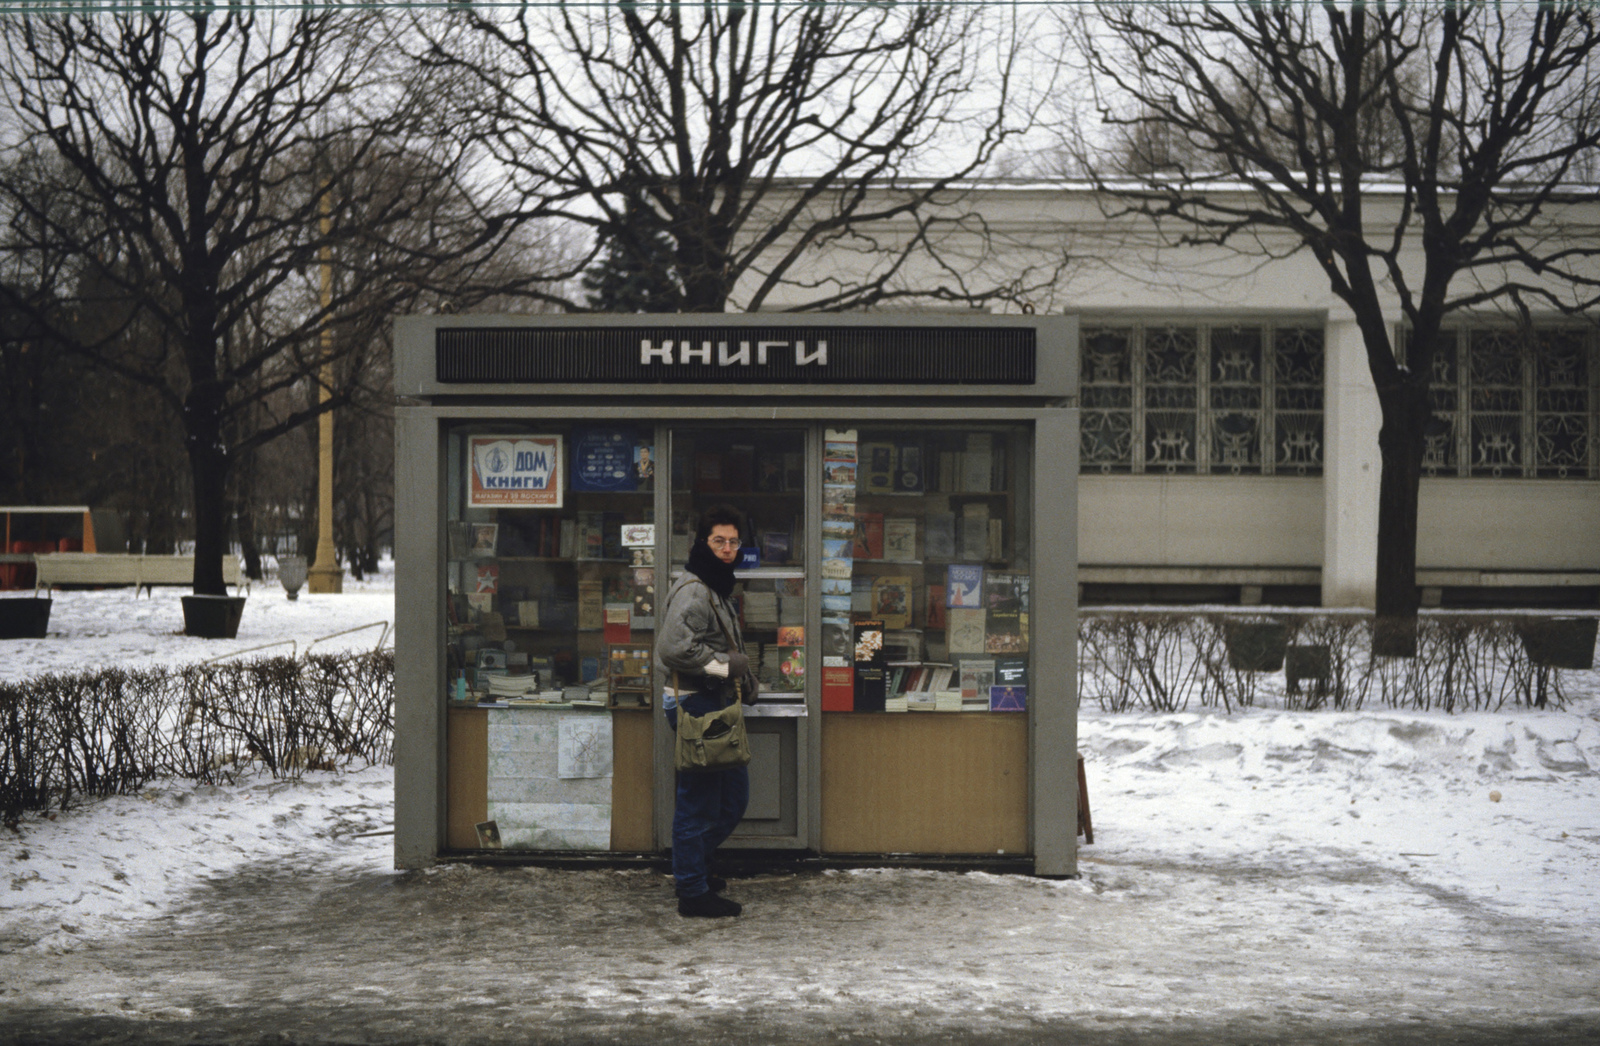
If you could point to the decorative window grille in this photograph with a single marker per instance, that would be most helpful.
(1513, 402)
(1190, 398)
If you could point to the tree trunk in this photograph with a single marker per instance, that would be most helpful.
(1400, 444)
(208, 464)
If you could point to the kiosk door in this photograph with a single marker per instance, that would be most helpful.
(762, 473)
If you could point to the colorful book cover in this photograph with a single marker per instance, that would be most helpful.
(871, 667)
(1011, 671)
(618, 622)
(488, 578)
(791, 668)
(900, 540)
(891, 600)
(977, 676)
(869, 535)
(1008, 699)
(792, 635)
(1002, 591)
(964, 586)
(1003, 633)
(937, 618)
(838, 689)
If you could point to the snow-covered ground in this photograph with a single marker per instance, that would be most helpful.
(92, 629)
(1317, 866)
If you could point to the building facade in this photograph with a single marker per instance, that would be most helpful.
(1229, 446)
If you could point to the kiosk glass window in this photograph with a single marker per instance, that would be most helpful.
(761, 473)
(550, 576)
(927, 569)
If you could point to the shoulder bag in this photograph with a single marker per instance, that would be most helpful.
(716, 740)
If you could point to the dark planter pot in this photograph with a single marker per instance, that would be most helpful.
(1256, 646)
(1560, 642)
(212, 617)
(25, 618)
(1313, 662)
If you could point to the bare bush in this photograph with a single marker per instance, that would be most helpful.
(1157, 661)
(108, 732)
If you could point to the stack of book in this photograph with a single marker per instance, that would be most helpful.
(761, 610)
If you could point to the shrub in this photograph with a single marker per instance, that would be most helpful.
(109, 731)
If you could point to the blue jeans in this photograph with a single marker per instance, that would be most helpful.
(709, 807)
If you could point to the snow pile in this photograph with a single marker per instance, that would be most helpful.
(100, 868)
(1498, 806)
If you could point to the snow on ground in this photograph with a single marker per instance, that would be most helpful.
(1314, 837)
(92, 629)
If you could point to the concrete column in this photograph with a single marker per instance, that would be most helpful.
(1350, 472)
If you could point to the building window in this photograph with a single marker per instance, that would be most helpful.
(1513, 402)
(1240, 399)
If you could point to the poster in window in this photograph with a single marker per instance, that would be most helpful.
(514, 471)
(603, 460)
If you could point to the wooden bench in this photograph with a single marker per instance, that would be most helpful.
(111, 570)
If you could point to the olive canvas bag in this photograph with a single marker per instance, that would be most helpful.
(716, 740)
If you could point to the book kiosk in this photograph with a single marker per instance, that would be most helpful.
(907, 587)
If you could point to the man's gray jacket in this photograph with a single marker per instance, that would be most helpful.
(693, 631)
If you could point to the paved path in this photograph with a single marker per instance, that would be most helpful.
(1134, 954)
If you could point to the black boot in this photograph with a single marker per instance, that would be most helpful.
(716, 883)
(708, 906)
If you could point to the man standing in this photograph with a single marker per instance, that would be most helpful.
(700, 651)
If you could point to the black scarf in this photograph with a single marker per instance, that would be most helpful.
(704, 564)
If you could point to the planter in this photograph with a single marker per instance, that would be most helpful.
(1255, 646)
(212, 617)
(1560, 642)
(1313, 662)
(25, 618)
(292, 574)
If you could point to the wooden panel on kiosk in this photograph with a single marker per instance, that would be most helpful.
(925, 782)
(467, 777)
(632, 780)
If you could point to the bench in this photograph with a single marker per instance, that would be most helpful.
(110, 570)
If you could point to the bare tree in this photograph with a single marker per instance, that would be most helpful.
(216, 157)
(1469, 120)
(759, 134)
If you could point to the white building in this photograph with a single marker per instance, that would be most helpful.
(1229, 443)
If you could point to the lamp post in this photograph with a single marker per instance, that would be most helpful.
(325, 574)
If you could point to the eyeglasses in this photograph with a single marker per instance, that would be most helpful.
(722, 542)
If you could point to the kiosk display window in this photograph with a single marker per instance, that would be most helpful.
(763, 475)
(550, 572)
(926, 579)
